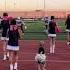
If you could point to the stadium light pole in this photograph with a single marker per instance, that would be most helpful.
(14, 3)
(44, 8)
(44, 4)
(5, 5)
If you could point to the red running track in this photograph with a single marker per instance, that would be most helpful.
(28, 48)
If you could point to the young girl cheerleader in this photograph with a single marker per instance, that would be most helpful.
(13, 46)
(47, 19)
(41, 57)
(20, 26)
(52, 34)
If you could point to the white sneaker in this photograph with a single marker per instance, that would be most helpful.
(53, 48)
(15, 66)
(11, 66)
(68, 43)
(51, 51)
(4, 57)
(7, 54)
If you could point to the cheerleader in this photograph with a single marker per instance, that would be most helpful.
(20, 26)
(4, 38)
(41, 57)
(67, 23)
(20, 23)
(47, 20)
(13, 46)
(52, 34)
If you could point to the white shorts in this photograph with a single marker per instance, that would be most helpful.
(67, 30)
(52, 35)
(5, 38)
(46, 24)
(12, 48)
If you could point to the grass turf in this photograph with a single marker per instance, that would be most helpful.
(35, 31)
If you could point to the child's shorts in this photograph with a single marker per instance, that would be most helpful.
(41, 62)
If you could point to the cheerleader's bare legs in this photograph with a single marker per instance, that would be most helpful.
(6, 53)
(52, 44)
(50, 40)
(39, 67)
(68, 39)
(13, 60)
(42, 66)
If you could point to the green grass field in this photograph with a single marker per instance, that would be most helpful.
(35, 31)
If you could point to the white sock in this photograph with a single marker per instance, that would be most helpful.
(4, 57)
(15, 65)
(51, 50)
(7, 54)
(68, 43)
(11, 66)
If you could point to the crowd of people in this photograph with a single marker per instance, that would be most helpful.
(12, 31)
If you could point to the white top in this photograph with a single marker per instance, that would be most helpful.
(40, 57)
